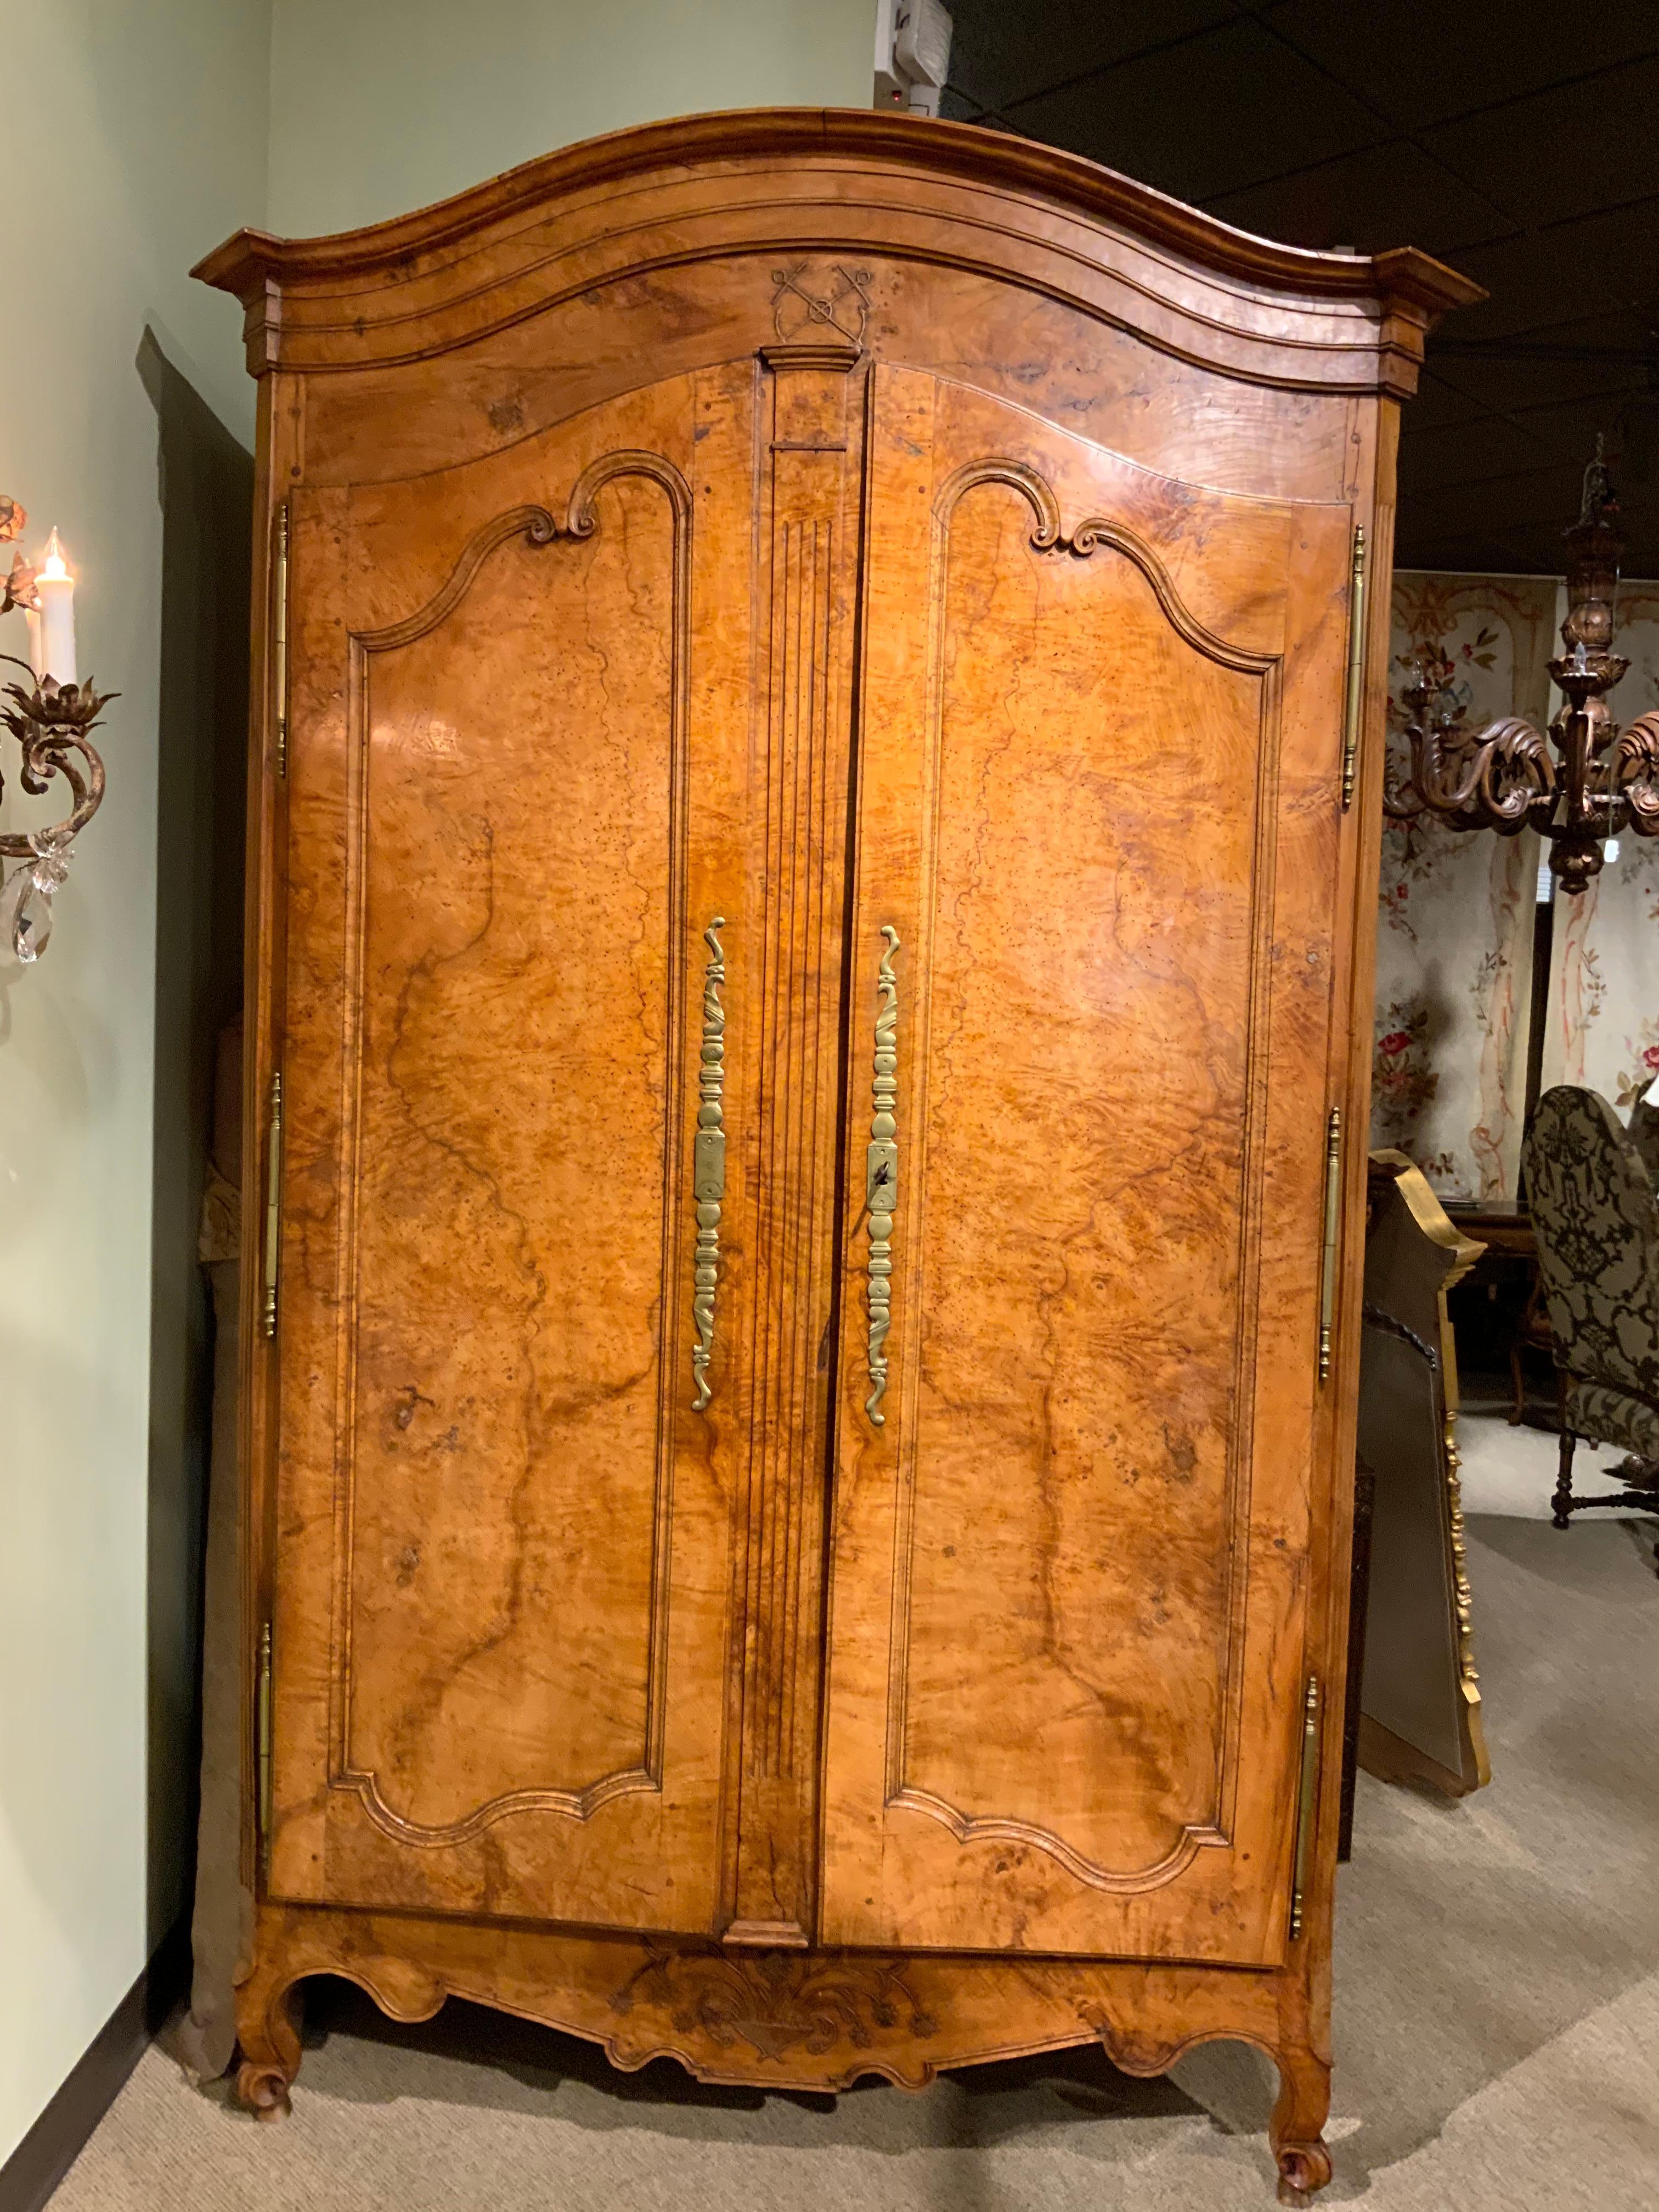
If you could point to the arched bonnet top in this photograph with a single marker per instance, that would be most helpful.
(770, 182)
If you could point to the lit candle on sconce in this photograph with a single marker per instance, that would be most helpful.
(51, 639)
(53, 722)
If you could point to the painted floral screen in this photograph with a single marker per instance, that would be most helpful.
(1456, 911)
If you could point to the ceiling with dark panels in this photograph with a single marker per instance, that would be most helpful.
(1515, 141)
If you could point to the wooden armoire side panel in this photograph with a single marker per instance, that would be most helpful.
(1067, 1579)
(516, 790)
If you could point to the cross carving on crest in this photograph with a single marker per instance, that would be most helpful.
(844, 308)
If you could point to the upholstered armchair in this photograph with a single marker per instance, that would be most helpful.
(1597, 1224)
(1643, 1130)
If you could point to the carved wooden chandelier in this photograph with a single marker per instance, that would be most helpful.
(50, 719)
(1502, 778)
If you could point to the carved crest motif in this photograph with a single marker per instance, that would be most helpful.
(777, 2001)
(804, 309)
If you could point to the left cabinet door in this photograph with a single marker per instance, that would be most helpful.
(496, 1552)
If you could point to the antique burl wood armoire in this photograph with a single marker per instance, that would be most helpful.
(820, 687)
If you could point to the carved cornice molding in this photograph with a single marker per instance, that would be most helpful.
(831, 191)
(730, 139)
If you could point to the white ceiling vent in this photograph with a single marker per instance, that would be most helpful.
(913, 54)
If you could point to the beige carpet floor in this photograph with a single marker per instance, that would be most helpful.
(1512, 1470)
(1497, 2021)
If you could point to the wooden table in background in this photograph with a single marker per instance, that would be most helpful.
(1505, 1226)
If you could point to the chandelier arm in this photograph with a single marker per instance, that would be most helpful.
(1515, 772)
(1401, 805)
(1633, 774)
(1490, 782)
(1405, 803)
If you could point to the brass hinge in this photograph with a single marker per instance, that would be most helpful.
(1333, 1223)
(1356, 665)
(273, 1201)
(1306, 1802)
(279, 642)
(262, 1744)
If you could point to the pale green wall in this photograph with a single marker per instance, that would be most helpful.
(382, 106)
(133, 141)
(136, 134)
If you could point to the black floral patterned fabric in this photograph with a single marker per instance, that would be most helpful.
(1593, 1208)
(1643, 1130)
(1608, 1417)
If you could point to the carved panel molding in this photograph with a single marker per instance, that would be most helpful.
(537, 527)
(1085, 538)
(1092, 535)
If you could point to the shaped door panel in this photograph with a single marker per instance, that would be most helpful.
(516, 805)
(1097, 838)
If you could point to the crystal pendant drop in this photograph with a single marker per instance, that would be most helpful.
(17, 886)
(26, 904)
(31, 920)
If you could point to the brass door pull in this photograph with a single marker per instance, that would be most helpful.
(708, 1163)
(881, 1175)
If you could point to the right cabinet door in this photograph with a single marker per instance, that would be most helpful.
(1096, 854)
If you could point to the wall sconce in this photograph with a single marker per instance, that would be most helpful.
(51, 720)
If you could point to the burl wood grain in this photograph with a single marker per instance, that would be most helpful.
(515, 1114)
(1067, 1586)
(837, 526)
(501, 1635)
(775, 2020)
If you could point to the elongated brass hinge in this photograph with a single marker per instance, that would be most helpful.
(1333, 1223)
(1356, 665)
(1306, 1803)
(273, 1201)
(262, 1743)
(279, 642)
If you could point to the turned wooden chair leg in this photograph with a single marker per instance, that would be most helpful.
(1562, 1501)
(1517, 1383)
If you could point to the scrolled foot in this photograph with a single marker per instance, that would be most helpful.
(1297, 2125)
(1303, 2167)
(268, 2029)
(264, 2090)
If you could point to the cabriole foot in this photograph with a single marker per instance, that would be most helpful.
(263, 2091)
(1297, 2129)
(268, 2029)
(1302, 2168)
